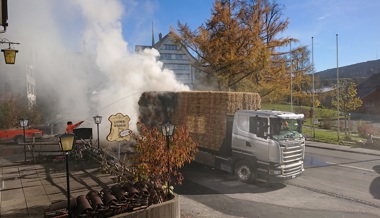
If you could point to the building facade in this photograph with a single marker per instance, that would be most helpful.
(174, 57)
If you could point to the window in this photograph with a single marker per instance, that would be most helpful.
(180, 57)
(285, 129)
(258, 126)
(170, 47)
(183, 77)
(165, 56)
(184, 67)
(243, 123)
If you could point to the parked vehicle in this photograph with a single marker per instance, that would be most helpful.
(263, 145)
(17, 135)
(233, 136)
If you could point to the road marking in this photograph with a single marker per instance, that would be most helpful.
(348, 166)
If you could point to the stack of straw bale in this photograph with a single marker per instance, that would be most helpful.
(203, 113)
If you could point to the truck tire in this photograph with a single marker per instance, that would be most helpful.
(19, 139)
(245, 172)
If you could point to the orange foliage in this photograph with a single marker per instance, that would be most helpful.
(153, 156)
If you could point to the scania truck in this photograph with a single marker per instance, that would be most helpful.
(232, 133)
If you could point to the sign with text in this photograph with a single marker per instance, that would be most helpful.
(119, 128)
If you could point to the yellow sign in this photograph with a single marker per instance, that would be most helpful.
(119, 128)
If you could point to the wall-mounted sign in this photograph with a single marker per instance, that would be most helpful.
(119, 128)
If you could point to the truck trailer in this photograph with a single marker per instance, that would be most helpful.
(232, 133)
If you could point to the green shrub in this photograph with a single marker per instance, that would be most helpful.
(325, 113)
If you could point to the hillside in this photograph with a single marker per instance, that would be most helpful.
(359, 72)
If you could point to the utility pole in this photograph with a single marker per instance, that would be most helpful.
(337, 85)
(312, 61)
(291, 76)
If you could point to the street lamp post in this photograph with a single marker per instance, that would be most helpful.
(66, 141)
(168, 130)
(98, 120)
(337, 85)
(291, 76)
(313, 70)
(23, 124)
(349, 124)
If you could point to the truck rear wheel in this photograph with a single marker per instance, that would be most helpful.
(245, 172)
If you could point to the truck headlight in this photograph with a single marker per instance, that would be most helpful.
(275, 172)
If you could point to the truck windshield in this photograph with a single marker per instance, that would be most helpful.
(286, 129)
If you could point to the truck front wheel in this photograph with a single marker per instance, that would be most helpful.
(245, 172)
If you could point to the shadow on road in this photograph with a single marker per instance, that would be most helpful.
(375, 184)
(217, 182)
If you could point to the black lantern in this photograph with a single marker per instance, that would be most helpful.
(98, 119)
(167, 129)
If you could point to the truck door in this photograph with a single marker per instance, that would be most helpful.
(251, 136)
(259, 126)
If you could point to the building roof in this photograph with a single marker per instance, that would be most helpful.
(141, 47)
(161, 42)
(368, 86)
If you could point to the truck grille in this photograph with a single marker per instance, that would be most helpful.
(292, 155)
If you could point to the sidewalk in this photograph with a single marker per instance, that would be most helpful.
(354, 149)
(28, 189)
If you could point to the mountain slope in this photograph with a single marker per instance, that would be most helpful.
(358, 72)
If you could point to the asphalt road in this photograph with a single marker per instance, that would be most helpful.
(349, 174)
(335, 184)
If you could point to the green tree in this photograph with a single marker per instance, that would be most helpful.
(241, 46)
(348, 99)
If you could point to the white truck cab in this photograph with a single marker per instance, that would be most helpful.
(265, 146)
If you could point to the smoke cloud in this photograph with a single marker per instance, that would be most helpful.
(84, 66)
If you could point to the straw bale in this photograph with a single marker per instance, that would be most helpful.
(203, 113)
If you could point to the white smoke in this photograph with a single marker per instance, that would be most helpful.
(55, 36)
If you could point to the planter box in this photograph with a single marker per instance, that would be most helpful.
(167, 209)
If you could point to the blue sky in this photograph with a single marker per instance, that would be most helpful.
(356, 22)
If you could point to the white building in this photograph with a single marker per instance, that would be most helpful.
(174, 57)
